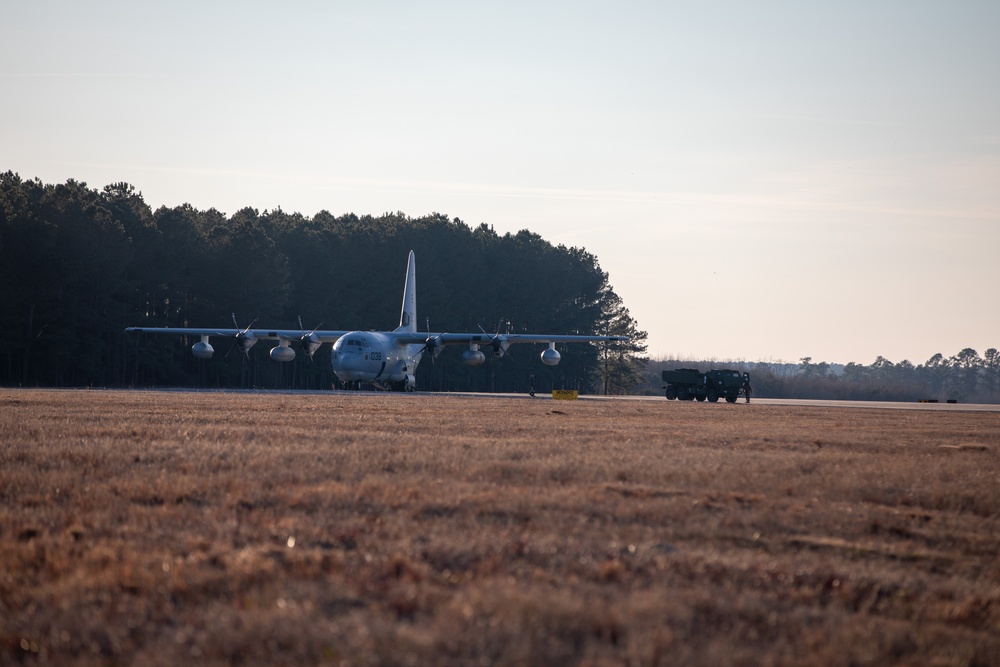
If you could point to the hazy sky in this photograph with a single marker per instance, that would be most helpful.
(761, 180)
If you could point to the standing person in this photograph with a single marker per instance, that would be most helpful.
(532, 391)
(747, 389)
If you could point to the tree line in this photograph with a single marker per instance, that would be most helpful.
(79, 265)
(964, 377)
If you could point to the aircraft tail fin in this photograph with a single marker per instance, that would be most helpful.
(408, 316)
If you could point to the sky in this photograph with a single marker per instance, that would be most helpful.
(761, 180)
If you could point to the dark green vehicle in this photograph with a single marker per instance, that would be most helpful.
(688, 384)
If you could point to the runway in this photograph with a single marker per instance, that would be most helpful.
(882, 405)
(793, 402)
(722, 405)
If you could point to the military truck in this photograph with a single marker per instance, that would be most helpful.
(687, 384)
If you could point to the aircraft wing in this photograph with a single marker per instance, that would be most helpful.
(325, 336)
(433, 343)
(481, 338)
(555, 338)
(401, 338)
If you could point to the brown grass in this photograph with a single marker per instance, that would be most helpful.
(248, 529)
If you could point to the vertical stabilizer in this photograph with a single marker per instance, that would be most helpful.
(408, 317)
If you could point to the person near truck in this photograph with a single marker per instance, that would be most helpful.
(747, 389)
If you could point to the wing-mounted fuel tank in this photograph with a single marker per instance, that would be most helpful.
(473, 356)
(203, 349)
(550, 357)
(283, 351)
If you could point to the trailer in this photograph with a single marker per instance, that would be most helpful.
(689, 384)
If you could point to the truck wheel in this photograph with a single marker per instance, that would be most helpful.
(713, 397)
(671, 393)
(730, 399)
(700, 398)
(682, 395)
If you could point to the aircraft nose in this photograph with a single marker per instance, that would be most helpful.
(348, 362)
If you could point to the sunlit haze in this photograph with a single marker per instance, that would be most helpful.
(761, 180)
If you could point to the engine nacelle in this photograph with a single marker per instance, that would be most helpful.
(473, 357)
(282, 353)
(202, 349)
(550, 357)
(311, 343)
(245, 340)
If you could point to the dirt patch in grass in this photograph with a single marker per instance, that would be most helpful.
(163, 528)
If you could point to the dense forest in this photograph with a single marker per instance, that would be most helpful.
(79, 265)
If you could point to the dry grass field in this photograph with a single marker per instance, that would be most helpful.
(163, 528)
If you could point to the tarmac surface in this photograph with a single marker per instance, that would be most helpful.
(872, 405)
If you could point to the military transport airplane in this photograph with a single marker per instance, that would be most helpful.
(384, 359)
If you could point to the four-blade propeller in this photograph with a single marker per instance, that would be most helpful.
(309, 342)
(245, 339)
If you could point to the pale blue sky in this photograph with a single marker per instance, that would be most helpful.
(761, 180)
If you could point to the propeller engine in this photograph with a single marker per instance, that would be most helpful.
(433, 345)
(499, 345)
(498, 342)
(244, 339)
(310, 341)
